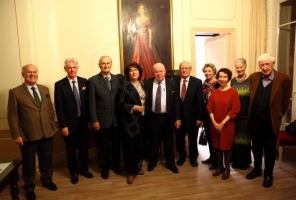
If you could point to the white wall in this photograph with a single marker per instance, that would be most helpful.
(45, 32)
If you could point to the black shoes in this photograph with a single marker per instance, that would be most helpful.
(117, 170)
(181, 161)
(207, 161)
(173, 169)
(253, 174)
(30, 195)
(74, 179)
(87, 174)
(212, 166)
(51, 186)
(194, 163)
(150, 168)
(268, 180)
(105, 174)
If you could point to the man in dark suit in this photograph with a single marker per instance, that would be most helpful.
(32, 126)
(70, 97)
(270, 96)
(189, 89)
(102, 90)
(163, 112)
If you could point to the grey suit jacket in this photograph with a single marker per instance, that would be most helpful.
(102, 101)
(26, 119)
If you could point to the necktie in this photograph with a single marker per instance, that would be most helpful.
(36, 96)
(77, 99)
(183, 91)
(158, 99)
(108, 82)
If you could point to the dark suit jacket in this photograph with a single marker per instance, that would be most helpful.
(26, 119)
(102, 102)
(192, 106)
(65, 103)
(279, 99)
(172, 99)
(132, 122)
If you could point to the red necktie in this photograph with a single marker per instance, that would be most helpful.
(158, 99)
(183, 91)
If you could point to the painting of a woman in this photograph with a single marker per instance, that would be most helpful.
(144, 52)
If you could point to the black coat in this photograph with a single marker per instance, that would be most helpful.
(131, 121)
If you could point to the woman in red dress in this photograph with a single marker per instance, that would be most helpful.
(223, 108)
(145, 53)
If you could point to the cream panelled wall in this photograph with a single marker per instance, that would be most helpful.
(45, 32)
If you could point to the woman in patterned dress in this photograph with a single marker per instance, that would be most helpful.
(241, 149)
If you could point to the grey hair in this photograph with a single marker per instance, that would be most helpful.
(185, 62)
(104, 57)
(211, 65)
(241, 60)
(266, 56)
(70, 60)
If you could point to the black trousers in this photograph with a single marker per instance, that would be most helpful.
(212, 151)
(108, 144)
(192, 132)
(263, 137)
(160, 130)
(43, 148)
(77, 140)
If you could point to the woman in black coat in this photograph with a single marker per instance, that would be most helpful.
(131, 101)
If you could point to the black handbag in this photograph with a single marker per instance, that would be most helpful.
(203, 138)
(291, 128)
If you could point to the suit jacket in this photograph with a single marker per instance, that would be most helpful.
(132, 122)
(279, 99)
(102, 101)
(192, 107)
(26, 119)
(65, 103)
(172, 99)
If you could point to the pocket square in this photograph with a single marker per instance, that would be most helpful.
(173, 91)
(83, 88)
(47, 96)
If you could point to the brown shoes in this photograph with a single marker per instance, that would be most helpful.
(130, 179)
(226, 174)
(219, 171)
(140, 172)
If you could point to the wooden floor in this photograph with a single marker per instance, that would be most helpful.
(190, 183)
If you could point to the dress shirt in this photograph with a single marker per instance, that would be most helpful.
(163, 96)
(186, 83)
(36, 89)
(267, 80)
(71, 84)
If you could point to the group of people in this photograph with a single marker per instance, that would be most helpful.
(141, 115)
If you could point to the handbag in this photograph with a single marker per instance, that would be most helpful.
(291, 128)
(203, 138)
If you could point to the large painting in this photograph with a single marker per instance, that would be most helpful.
(145, 31)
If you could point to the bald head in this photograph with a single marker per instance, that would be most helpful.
(159, 71)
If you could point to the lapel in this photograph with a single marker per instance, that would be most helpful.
(28, 94)
(103, 82)
(190, 87)
(275, 86)
(68, 87)
(255, 83)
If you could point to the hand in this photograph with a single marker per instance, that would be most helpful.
(89, 125)
(96, 126)
(198, 122)
(19, 141)
(65, 131)
(219, 127)
(178, 124)
(138, 108)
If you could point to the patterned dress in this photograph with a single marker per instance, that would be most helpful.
(241, 149)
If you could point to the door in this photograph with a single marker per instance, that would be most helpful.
(217, 51)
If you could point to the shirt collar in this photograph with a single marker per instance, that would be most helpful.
(270, 77)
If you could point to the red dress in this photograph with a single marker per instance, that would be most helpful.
(221, 104)
(143, 55)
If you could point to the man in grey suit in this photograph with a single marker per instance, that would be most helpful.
(32, 126)
(102, 91)
(70, 95)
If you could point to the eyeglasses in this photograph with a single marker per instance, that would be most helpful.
(265, 64)
(185, 68)
(32, 72)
